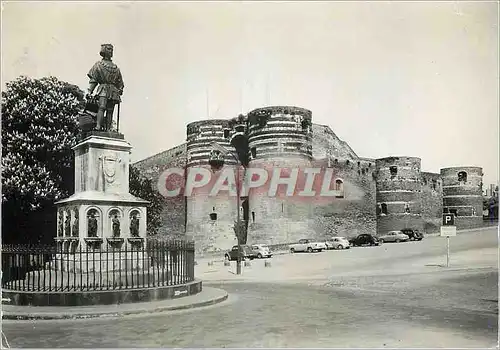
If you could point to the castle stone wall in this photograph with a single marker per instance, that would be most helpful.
(284, 136)
(279, 137)
(399, 204)
(432, 201)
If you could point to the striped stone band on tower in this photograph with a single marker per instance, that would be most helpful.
(398, 194)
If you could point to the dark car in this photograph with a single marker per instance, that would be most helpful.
(364, 239)
(414, 235)
(246, 253)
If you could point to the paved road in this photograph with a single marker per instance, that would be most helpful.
(427, 309)
(477, 249)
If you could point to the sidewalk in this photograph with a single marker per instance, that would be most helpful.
(208, 296)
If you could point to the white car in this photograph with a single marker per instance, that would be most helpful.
(338, 243)
(261, 250)
(307, 245)
(393, 236)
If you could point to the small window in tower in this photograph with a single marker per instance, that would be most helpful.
(369, 165)
(226, 133)
(253, 216)
(213, 208)
(347, 162)
(384, 208)
(359, 172)
(253, 150)
(407, 208)
(359, 164)
(282, 207)
(462, 177)
(336, 161)
(393, 170)
(213, 216)
(434, 184)
(338, 185)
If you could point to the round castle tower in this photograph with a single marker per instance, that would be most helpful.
(210, 218)
(279, 136)
(398, 194)
(463, 195)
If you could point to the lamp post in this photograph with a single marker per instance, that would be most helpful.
(224, 150)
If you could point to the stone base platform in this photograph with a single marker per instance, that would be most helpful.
(99, 262)
(101, 297)
(99, 280)
(209, 296)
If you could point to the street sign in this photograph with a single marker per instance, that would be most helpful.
(448, 231)
(448, 219)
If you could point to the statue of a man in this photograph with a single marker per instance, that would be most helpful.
(60, 228)
(106, 76)
(67, 224)
(134, 226)
(75, 225)
(116, 226)
(92, 225)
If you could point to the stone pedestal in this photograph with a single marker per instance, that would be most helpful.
(101, 215)
(87, 262)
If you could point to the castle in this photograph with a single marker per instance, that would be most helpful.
(376, 195)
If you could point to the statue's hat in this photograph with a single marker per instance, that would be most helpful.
(104, 48)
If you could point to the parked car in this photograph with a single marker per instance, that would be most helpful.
(246, 253)
(364, 239)
(337, 243)
(414, 235)
(262, 251)
(307, 245)
(394, 236)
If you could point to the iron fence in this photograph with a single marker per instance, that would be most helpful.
(71, 266)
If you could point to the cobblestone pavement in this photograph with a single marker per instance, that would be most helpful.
(441, 308)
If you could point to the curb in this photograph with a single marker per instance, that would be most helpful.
(438, 269)
(56, 316)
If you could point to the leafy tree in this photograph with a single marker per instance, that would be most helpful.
(240, 231)
(39, 127)
(143, 188)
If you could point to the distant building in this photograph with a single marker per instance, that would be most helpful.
(378, 195)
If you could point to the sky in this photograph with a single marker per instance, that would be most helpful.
(414, 79)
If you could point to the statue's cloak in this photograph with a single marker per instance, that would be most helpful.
(108, 76)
